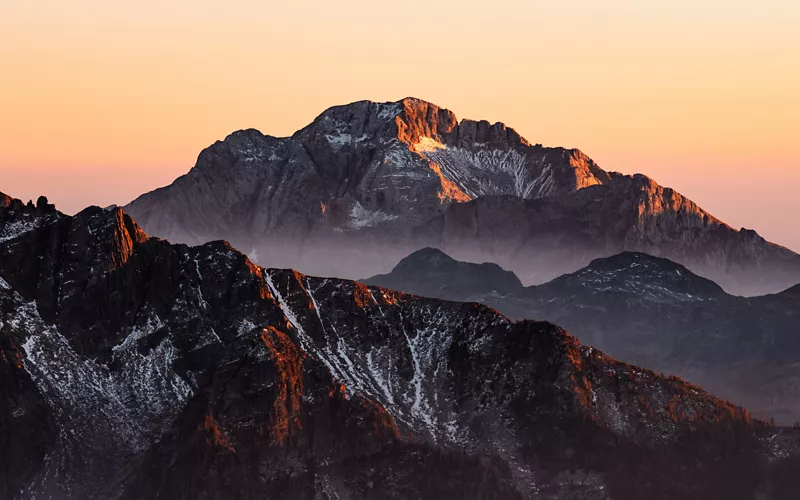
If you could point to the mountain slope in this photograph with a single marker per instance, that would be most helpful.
(653, 312)
(133, 368)
(367, 183)
(358, 171)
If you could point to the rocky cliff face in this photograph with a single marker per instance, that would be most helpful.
(367, 183)
(649, 311)
(134, 368)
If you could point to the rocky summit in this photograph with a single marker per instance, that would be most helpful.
(134, 368)
(368, 183)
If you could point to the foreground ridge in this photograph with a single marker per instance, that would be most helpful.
(134, 368)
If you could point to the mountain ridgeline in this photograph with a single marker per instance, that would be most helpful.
(645, 310)
(133, 368)
(368, 183)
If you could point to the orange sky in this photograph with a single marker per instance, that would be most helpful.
(101, 101)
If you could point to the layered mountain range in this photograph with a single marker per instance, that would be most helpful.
(645, 310)
(368, 183)
(133, 368)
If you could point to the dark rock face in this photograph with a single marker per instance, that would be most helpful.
(133, 368)
(652, 312)
(368, 183)
(5, 200)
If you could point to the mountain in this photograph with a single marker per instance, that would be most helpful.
(652, 312)
(134, 368)
(431, 273)
(365, 173)
(368, 183)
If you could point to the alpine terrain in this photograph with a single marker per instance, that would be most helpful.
(368, 183)
(645, 310)
(133, 368)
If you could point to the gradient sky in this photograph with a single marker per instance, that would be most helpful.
(101, 101)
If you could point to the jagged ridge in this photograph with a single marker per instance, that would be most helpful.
(270, 382)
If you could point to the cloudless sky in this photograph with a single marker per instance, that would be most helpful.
(101, 101)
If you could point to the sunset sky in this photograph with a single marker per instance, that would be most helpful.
(101, 101)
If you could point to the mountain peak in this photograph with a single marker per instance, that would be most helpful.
(369, 174)
(427, 254)
(368, 163)
(248, 134)
(18, 219)
(633, 259)
(639, 273)
(410, 120)
(432, 273)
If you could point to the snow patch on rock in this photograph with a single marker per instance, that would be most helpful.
(17, 228)
(343, 139)
(125, 408)
(361, 217)
(486, 171)
(389, 111)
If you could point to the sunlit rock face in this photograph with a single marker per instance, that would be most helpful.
(646, 310)
(138, 369)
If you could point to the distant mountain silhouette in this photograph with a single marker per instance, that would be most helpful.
(432, 273)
